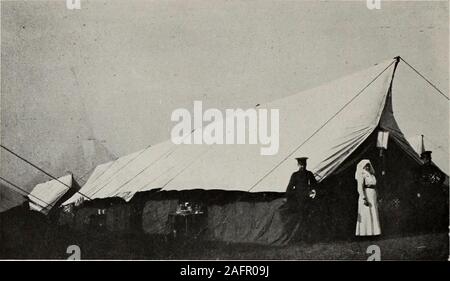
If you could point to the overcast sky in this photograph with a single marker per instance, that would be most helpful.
(80, 87)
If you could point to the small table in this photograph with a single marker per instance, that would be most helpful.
(188, 224)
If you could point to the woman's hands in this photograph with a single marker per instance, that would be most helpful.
(366, 202)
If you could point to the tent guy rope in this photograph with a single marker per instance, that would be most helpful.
(324, 124)
(38, 168)
(27, 193)
(428, 81)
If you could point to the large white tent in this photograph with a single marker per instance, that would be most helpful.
(45, 195)
(326, 124)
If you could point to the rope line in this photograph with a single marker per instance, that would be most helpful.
(321, 127)
(27, 193)
(428, 81)
(38, 168)
(110, 179)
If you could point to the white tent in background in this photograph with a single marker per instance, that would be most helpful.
(45, 195)
(421, 143)
(326, 124)
(417, 143)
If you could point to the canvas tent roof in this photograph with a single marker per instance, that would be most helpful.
(45, 195)
(326, 124)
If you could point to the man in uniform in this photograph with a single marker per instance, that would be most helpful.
(300, 194)
(301, 187)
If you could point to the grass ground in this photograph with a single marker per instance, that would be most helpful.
(422, 247)
(40, 243)
(417, 247)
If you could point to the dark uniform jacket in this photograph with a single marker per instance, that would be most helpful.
(299, 187)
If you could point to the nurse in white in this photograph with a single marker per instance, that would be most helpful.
(368, 223)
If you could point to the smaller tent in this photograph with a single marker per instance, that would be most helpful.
(417, 143)
(47, 195)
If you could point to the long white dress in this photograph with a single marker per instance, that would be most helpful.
(368, 223)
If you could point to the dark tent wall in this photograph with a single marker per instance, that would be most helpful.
(92, 215)
(23, 233)
(86, 218)
(251, 222)
(156, 216)
(262, 218)
(110, 214)
(244, 217)
(227, 216)
(118, 218)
